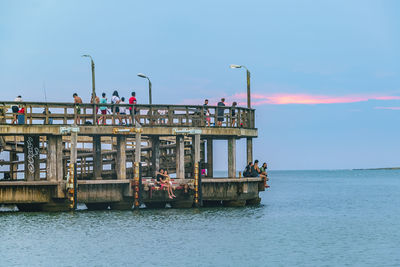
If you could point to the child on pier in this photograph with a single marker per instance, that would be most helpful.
(103, 109)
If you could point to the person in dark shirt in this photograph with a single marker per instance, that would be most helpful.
(220, 112)
(233, 113)
(247, 170)
(206, 112)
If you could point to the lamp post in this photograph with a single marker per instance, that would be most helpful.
(141, 75)
(93, 83)
(233, 66)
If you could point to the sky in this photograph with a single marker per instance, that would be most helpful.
(324, 74)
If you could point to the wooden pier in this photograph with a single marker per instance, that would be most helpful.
(35, 156)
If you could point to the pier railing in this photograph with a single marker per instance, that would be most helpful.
(39, 113)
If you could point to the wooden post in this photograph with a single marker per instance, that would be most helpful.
(196, 148)
(51, 164)
(231, 157)
(180, 157)
(249, 149)
(121, 158)
(97, 158)
(155, 154)
(74, 147)
(138, 145)
(13, 166)
(32, 157)
(60, 155)
(210, 168)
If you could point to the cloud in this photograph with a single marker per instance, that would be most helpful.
(309, 99)
(299, 99)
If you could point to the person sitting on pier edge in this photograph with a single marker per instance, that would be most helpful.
(103, 109)
(263, 171)
(77, 102)
(163, 180)
(206, 112)
(247, 170)
(255, 172)
(15, 109)
(220, 111)
(116, 100)
(133, 111)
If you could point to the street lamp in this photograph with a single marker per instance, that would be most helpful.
(93, 83)
(141, 75)
(233, 66)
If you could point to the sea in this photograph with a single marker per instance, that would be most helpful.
(306, 218)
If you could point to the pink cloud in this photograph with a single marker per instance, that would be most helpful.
(300, 99)
(309, 99)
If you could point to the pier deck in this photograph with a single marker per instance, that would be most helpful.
(37, 154)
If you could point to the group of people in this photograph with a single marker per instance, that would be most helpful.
(253, 170)
(164, 180)
(220, 113)
(120, 111)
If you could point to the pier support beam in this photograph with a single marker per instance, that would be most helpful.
(13, 166)
(155, 160)
(97, 158)
(232, 157)
(120, 164)
(54, 158)
(138, 146)
(31, 158)
(196, 148)
(180, 157)
(249, 149)
(210, 168)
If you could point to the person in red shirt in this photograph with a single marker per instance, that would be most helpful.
(133, 110)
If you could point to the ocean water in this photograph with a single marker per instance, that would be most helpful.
(306, 218)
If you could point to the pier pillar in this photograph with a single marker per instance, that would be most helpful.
(97, 158)
(196, 147)
(120, 164)
(32, 157)
(232, 157)
(180, 157)
(249, 149)
(60, 156)
(155, 160)
(210, 168)
(138, 146)
(13, 166)
(51, 160)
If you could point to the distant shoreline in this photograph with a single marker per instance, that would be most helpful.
(375, 169)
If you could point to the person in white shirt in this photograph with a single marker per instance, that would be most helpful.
(122, 110)
(116, 100)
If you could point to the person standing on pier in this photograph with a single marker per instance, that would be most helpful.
(233, 114)
(116, 100)
(122, 110)
(77, 102)
(103, 109)
(96, 101)
(220, 111)
(15, 109)
(133, 110)
(206, 112)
